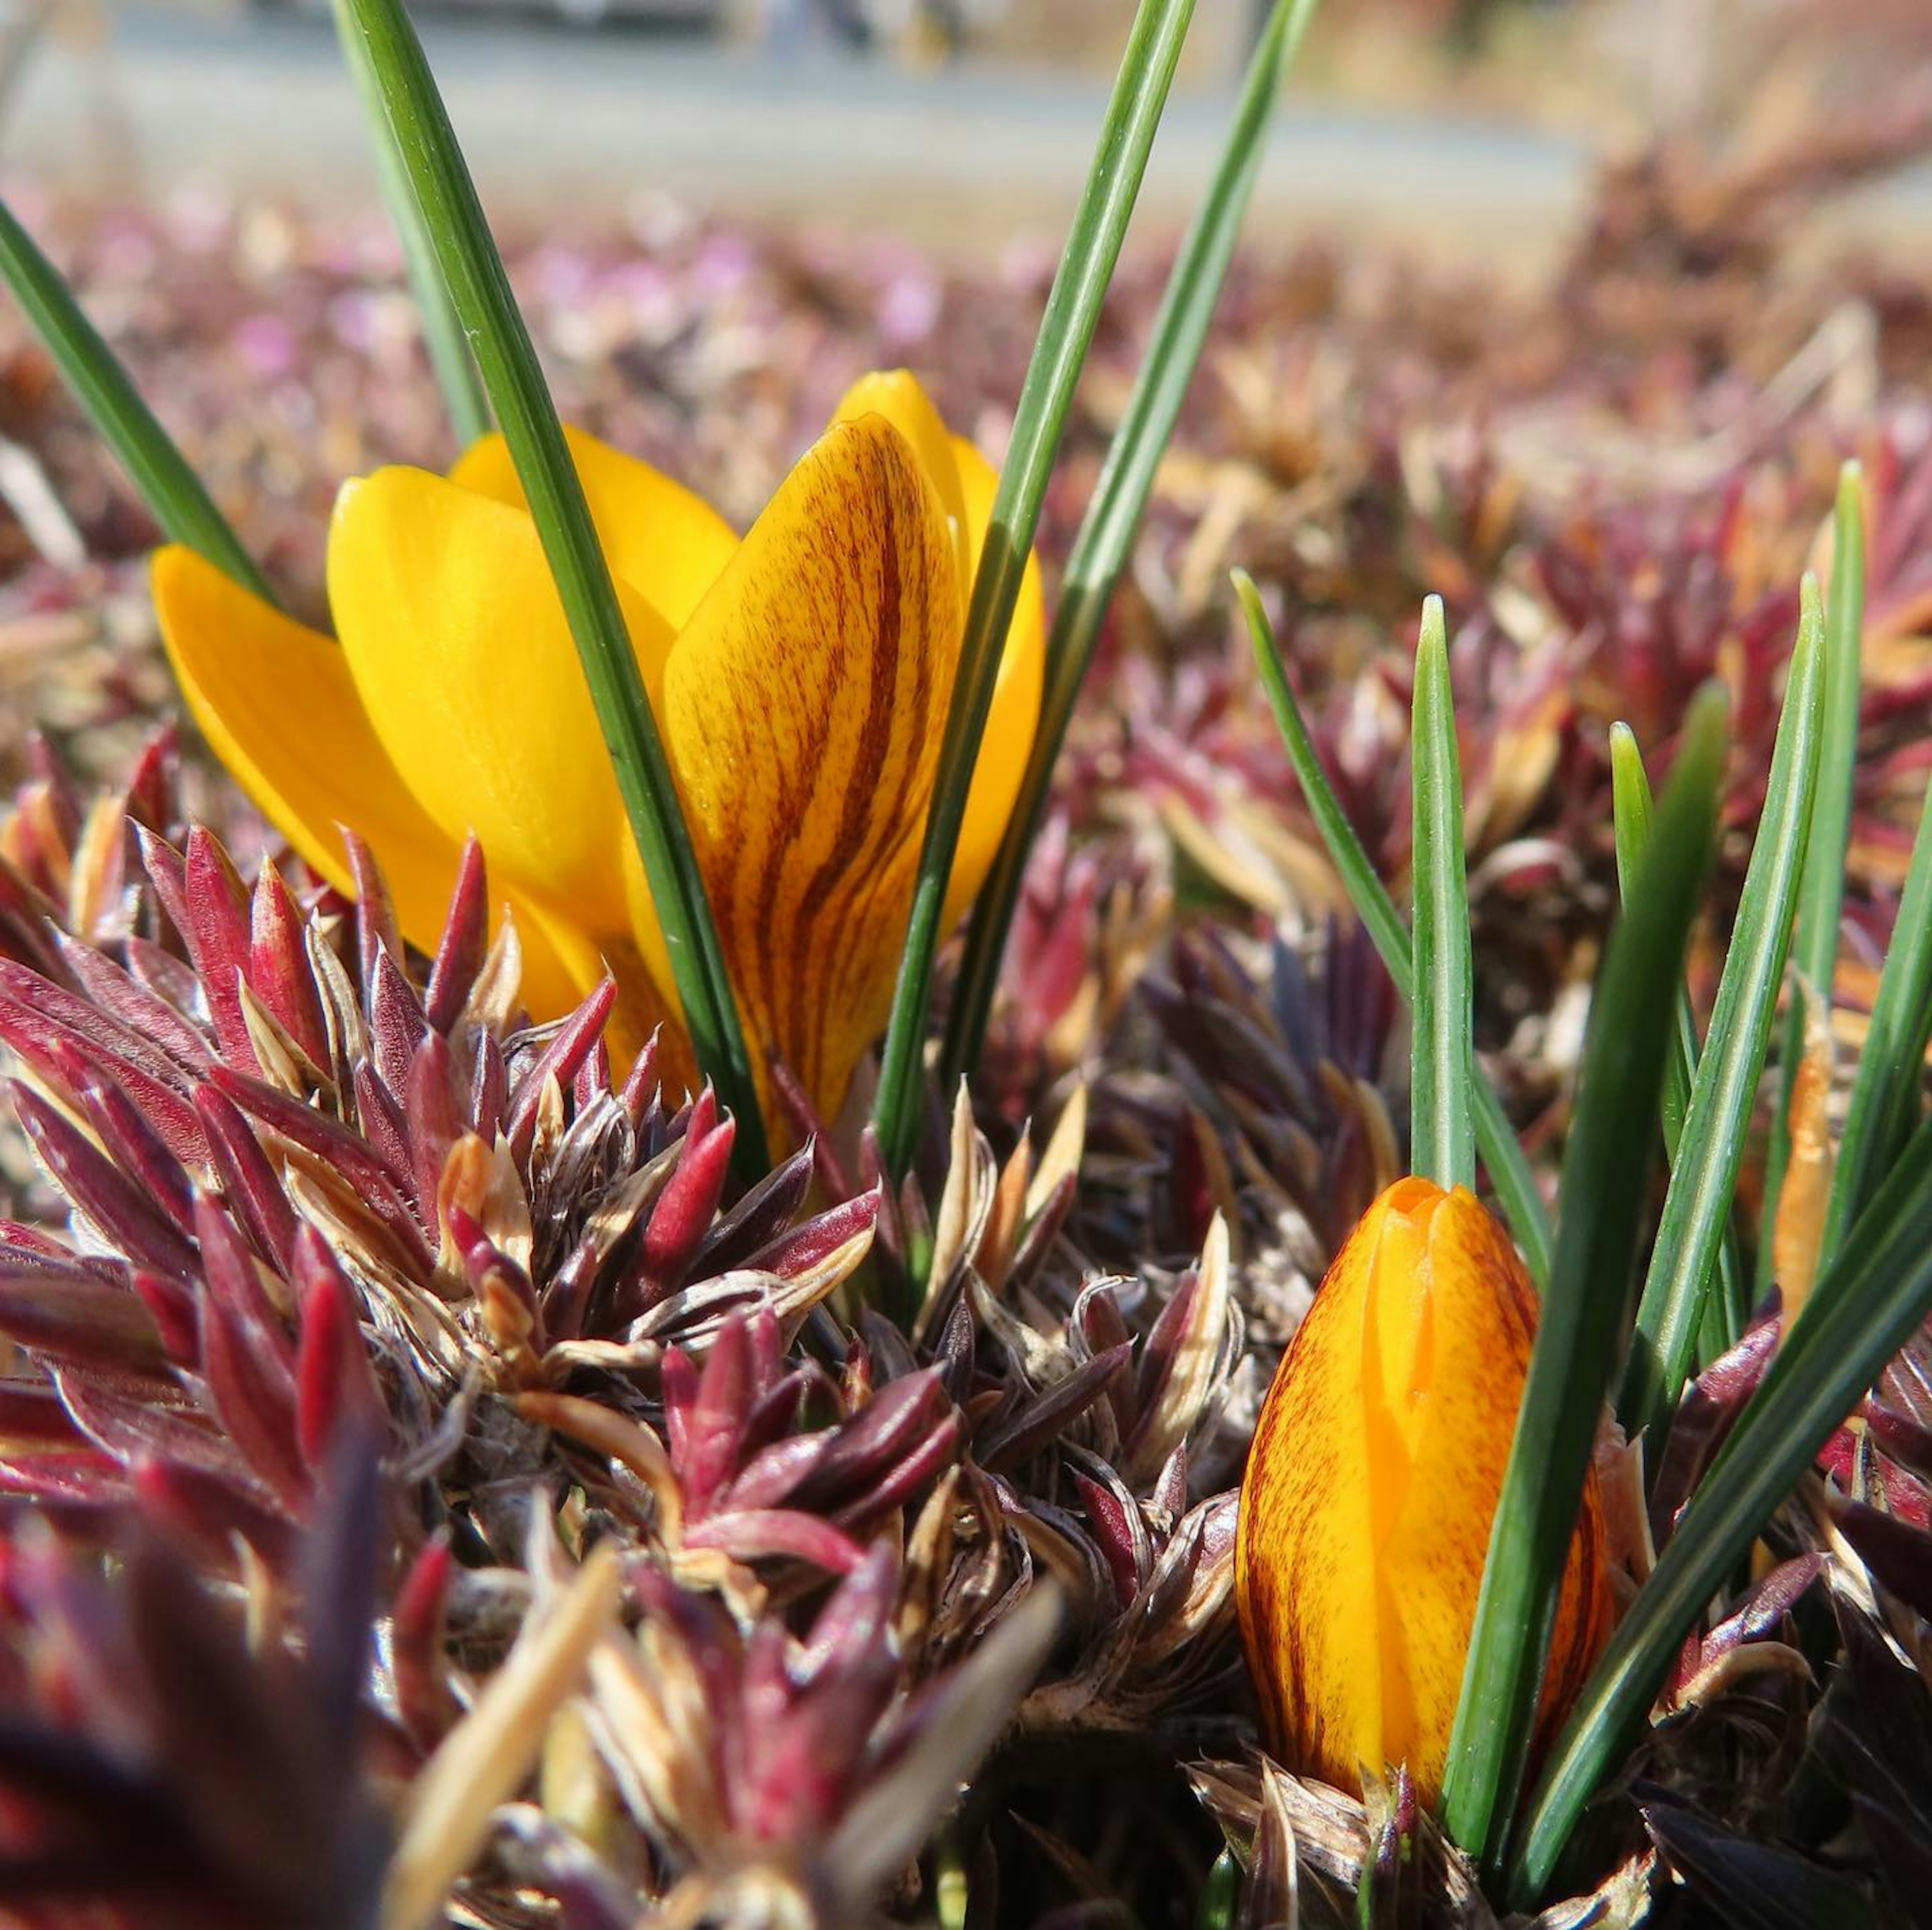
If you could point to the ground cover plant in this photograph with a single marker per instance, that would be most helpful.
(545, 1399)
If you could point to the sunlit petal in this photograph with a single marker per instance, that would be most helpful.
(1015, 714)
(458, 642)
(660, 537)
(563, 962)
(276, 704)
(803, 706)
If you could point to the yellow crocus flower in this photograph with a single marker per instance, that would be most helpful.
(1370, 1489)
(799, 676)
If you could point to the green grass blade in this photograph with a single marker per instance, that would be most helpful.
(479, 291)
(449, 357)
(1442, 1143)
(1631, 807)
(1704, 1179)
(1886, 1090)
(1367, 892)
(1060, 352)
(1814, 945)
(1869, 1302)
(1587, 1310)
(1502, 1152)
(171, 490)
(1101, 550)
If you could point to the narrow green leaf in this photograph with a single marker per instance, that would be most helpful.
(171, 490)
(1821, 894)
(426, 145)
(1704, 1179)
(1060, 352)
(1587, 1310)
(449, 356)
(1101, 550)
(1502, 1152)
(1442, 1145)
(1887, 1090)
(1873, 1296)
(1630, 808)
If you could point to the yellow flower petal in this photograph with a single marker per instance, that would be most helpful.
(900, 398)
(966, 483)
(276, 702)
(458, 642)
(803, 706)
(563, 962)
(663, 539)
(1015, 714)
(1371, 1487)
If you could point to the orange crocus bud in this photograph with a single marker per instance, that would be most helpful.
(1370, 1488)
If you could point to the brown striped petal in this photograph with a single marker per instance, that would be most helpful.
(803, 705)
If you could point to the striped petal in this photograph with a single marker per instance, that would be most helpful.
(1371, 1487)
(664, 541)
(966, 483)
(457, 639)
(803, 705)
(898, 395)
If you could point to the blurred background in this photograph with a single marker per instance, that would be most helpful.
(946, 121)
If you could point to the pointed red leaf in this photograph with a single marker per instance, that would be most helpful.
(466, 938)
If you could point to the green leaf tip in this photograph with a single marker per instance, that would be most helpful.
(1442, 1133)
(1703, 1180)
(1502, 1152)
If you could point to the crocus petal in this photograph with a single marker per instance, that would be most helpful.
(664, 541)
(1015, 714)
(276, 704)
(803, 707)
(900, 398)
(1371, 1487)
(458, 642)
(563, 963)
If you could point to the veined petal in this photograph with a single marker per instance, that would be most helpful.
(663, 540)
(460, 652)
(277, 706)
(1370, 1489)
(899, 396)
(803, 707)
(1015, 714)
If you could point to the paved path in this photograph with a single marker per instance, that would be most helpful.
(548, 111)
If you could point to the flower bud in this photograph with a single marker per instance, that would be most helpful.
(1370, 1489)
